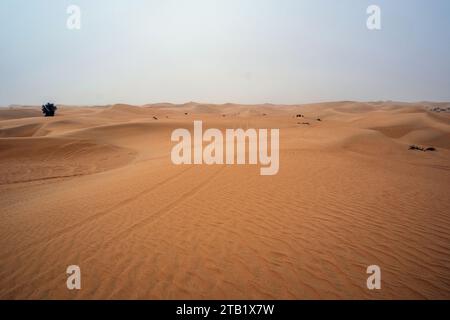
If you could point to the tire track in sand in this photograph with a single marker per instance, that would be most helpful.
(144, 222)
(95, 216)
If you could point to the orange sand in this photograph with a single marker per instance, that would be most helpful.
(95, 187)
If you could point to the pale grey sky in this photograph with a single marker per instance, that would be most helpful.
(246, 51)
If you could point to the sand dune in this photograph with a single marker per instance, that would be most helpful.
(95, 187)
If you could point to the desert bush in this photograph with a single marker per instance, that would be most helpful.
(49, 109)
(414, 147)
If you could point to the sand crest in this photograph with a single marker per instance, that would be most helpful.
(95, 187)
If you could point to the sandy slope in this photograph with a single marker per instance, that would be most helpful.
(95, 187)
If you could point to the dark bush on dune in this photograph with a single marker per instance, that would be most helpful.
(414, 147)
(49, 109)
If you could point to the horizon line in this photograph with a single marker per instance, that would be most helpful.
(223, 104)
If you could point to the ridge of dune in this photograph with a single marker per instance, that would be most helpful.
(35, 159)
(25, 130)
(95, 186)
(14, 113)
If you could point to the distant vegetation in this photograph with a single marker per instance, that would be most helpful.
(49, 109)
(439, 109)
(414, 147)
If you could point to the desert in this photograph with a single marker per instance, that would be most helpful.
(96, 187)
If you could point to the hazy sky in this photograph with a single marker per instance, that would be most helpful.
(247, 51)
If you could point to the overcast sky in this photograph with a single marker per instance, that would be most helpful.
(245, 51)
